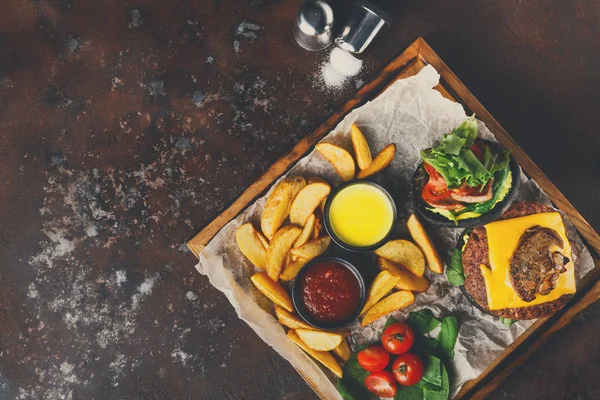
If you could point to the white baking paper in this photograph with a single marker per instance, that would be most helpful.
(413, 115)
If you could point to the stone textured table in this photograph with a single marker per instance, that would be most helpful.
(125, 127)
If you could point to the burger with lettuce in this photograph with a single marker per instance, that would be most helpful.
(464, 181)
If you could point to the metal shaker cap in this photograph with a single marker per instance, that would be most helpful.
(314, 25)
(364, 23)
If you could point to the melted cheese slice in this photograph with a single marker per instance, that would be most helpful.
(503, 238)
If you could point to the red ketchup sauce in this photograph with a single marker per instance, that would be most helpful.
(330, 292)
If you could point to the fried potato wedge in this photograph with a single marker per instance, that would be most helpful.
(341, 160)
(290, 320)
(312, 249)
(319, 228)
(320, 340)
(278, 249)
(382, 284)
(291, 270)
(387, 305)
(316, 179)
(404, 253)
(343, 350)
(307, 200)
(419, 235)
(273, 290)
(322, 356)
(278, 205)
(307, 231)
(381, 160)
(362, 152)
(263, 239)
(249, 243)
(407, 280)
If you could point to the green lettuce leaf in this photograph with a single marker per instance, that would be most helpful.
(456, 163)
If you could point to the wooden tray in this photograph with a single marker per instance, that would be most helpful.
(407, 64)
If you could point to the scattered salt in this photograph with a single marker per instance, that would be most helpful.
(191, 296)
(340, 66)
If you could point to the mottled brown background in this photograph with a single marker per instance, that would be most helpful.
(125, 127)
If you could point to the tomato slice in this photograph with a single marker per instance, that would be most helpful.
(478, 149)
(397, 338)
(373, 358)
(432, 193)
(408, 369)
(381, 384)
(434, 175)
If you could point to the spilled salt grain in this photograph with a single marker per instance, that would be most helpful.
(340, 66)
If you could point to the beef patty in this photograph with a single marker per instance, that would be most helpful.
(477, 252)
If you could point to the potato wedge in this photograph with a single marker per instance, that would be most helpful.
(362, 152)
(273, 290)
(419, 235)
(341, 160)
(381, 160)
(291, 270)
(319, 340)
(312, 249)
(316, 179)
(307, 231)
(382, 284)
(278, 205)
(319, 229)
(404, 253)
(408, 280)
(387, 305)
(307, 200)
(263, 239)
(322, 356)
(278, 249)
(248, 241)
(343, 350)
(290, 320)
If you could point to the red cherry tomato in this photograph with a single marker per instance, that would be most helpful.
(381, 384)
(373, 358)
(397, 338)
(408, 369)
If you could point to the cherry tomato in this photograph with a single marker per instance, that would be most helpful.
(397, 338)
(408, 369)
(373, 358)
(381, 384)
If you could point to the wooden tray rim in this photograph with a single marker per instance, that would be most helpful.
(416, 56)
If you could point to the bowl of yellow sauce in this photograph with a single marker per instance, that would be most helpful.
(360, 215)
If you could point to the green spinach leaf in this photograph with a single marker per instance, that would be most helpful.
(455, 272)
(448, 335)
(351, 386)
(507, 321)
(422, 321)
(432, 376)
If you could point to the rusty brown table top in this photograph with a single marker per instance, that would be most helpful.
(125, 127)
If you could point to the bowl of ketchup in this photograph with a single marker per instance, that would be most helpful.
(329, 293)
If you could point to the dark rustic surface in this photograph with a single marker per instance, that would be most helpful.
(125, 127)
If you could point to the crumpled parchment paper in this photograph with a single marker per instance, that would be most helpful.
(413, 115)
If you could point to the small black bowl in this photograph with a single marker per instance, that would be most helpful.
(339, 241)
(418, 205)
(299, 306)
